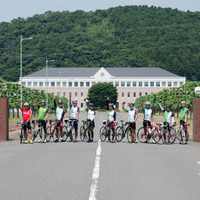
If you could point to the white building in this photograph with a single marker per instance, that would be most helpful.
(130, 82)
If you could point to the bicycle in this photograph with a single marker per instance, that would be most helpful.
(69, 130)
(39, 131)
(33, 129)
(169, 134)
(144, 135)
(181, 130)
(66, 130)
(108, 131)
(21, 134)
(86, 131)
(121, 131)
(53, 131)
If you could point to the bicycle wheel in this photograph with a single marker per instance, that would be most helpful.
(55, 137)
(172, 136)
(34, 133)
(129, 132)
(185, 134)
(21, 136)
(112, 135)
(142, 137)
(119, 134)
(65, 133)
(101, 129)
(73, 133)
(103, 134)
(82, 133)
(158, 137)
(48, 138)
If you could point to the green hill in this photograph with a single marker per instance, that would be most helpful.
(131, 36)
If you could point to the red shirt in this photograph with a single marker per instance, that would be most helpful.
(26, 114)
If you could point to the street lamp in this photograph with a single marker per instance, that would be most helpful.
(21, 40)
(47, 61)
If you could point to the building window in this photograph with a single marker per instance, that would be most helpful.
(41, 84)
(52, 84)
(175, 84)
(169, 84)
(75, 84)
(34, 84)
(134, 84)
(23, 83)
(128, 84)
(181, 83)
(123, 84)
(46, 84)
(157, 84)
(163, 84)
(140, 84)
(64, 94)
(29, 84)
(140, 94)
(116, 84)
(93, 83)
(122, 94)
(111, 83)
(70, 93)
(146, 93)
(64, 84)
(152, 84)
(128, 94)
(146, 84)
(134, 94)
(58, 84)
(75, 94)
(87, 84)
(58, 93)
(81, 94)
(81, 105)
(70, 84)
(82, 84)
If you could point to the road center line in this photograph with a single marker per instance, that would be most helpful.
(96, 172)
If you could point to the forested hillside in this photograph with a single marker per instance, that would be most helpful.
(128, 36)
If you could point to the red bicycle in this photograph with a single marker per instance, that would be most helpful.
(53, 130)
(144, 135)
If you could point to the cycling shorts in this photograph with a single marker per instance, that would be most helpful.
(132, 125)
(146, 123)
(91, 123)
(183, 123)
(27, 126)
(43, 124)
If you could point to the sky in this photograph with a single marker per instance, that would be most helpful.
(11, 9)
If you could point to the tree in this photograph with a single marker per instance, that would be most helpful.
(98, 93)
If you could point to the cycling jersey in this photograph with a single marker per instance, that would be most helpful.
(60, 112)
(111, 115)
(184, 113)
(168, 115)
(147, 114)
(73, 112)
(90, 113)
(26, 114)
(131, 115)
(42, 112)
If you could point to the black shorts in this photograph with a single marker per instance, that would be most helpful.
(145, 123)
(132, 125)
(167, 127)
(75, 124)
(27, 126)
(91, 124)
(43, 124)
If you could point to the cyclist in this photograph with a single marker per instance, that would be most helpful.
(90, 117)
(184, 118)
(43, 116)
(168, 118)
(74, 115)
(111, 116)
(27, 115)
(148, 115)
(132, 118)
(59, 115)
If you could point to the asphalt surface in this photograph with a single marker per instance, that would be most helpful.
(58, 171)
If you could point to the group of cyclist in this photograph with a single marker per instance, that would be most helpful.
(74, 113)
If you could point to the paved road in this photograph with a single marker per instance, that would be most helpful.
(122, 171)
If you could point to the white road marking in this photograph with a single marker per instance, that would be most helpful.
(96, 172)
(198, 162)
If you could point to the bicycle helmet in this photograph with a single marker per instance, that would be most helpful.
(168, 106)
(91, 105)
(111, 104)
(131, 104)
(26, 104)
(43, 101)
(183, 102)
(147, 103)
(60, 101)
(74, 101)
